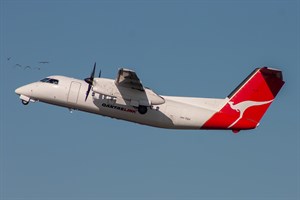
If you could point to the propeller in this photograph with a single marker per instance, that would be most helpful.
(90, 81)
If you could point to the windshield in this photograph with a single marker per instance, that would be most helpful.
(50, 80)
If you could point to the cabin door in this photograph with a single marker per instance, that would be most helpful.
(74, 92)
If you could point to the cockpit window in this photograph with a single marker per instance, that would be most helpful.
(50, 80)
(45, 80)
(53, 81)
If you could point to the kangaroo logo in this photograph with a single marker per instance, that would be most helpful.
(243, 106)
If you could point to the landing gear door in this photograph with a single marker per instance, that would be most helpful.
(74, 92)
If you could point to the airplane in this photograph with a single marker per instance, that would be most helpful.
(127, 99)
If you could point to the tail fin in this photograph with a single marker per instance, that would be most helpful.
(249, 101)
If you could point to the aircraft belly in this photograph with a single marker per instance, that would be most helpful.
(152, 117)
(110, 108)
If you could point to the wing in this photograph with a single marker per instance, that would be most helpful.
(128, 78)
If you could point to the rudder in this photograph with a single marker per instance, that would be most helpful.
(247, 104)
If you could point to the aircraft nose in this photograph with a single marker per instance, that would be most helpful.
(19, 90)
(23, 90)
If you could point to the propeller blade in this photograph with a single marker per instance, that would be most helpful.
(88, 92)
(93, 73)
(90, 81)
(99, 74)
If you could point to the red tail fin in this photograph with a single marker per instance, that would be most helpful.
(249, 101)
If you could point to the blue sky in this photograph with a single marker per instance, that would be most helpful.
(186, 48)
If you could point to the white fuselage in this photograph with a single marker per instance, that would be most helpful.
(174, 113)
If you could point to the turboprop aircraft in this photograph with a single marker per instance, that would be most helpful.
(126, 98)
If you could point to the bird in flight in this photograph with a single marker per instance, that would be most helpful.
(44, 62)
(18, 65)
(27, 67)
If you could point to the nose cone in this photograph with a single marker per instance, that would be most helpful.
(19, 90)
(24, 90)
